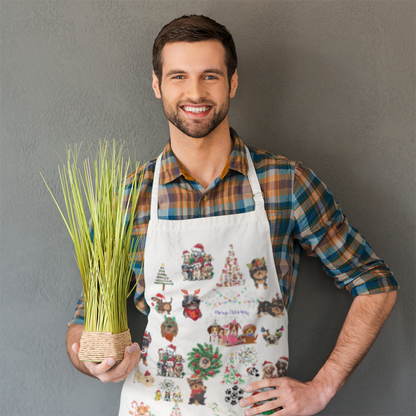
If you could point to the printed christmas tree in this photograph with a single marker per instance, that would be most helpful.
(231, 274)
(231, 375)
(162, 278)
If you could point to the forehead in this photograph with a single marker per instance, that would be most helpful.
(193, 56)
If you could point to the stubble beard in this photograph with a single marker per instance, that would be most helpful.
(196, 128)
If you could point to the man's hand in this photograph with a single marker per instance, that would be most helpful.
(105, 371)
(288, 397)
(365, 318)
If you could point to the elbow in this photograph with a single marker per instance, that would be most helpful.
(392, 298)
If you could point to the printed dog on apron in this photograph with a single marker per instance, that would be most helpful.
(217, 320)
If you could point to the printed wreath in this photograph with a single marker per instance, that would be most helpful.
(204, 361)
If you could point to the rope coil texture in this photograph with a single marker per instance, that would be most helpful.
(97, 346)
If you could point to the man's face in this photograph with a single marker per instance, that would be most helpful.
(194, 86)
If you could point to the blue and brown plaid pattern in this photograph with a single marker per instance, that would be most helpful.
(301, 210)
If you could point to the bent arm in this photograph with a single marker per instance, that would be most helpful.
(361, 327)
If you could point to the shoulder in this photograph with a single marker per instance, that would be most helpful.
(143, 173)
(267, 164)
(143, 177)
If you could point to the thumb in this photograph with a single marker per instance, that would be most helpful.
(75, 348)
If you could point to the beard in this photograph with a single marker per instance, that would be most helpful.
(196, 128)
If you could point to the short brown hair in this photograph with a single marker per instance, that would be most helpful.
(194, 28)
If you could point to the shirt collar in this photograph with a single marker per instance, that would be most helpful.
(171, 170)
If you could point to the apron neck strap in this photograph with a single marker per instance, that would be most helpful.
(254, 182)
(252, 178)
(155, 190)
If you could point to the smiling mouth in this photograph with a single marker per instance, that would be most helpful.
(196, 110)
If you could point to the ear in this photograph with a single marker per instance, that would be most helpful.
(234, 84)
(155, 85)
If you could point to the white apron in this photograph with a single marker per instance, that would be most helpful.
(217, 319)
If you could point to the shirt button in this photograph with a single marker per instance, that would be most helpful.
(204, 198)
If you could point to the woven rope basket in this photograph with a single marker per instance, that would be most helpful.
(97, 346)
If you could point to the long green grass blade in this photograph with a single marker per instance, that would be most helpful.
(104, 260)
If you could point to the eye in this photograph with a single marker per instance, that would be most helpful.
(210, 77)
(178, 77)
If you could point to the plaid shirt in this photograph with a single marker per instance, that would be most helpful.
(301, 210)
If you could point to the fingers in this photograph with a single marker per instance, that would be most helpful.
(284, 396)
(100, 370)
(267, 382)
(107, 371)
(268, 407)
(135, 358)
(129, 363)
(260, 397)
(75, 347)
(265, 400)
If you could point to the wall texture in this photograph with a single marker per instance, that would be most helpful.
(330, 83)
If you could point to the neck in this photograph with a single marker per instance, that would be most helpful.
(204, 159)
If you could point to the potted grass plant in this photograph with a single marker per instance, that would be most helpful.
(103, 241)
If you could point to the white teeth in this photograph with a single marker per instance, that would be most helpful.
(196, 109)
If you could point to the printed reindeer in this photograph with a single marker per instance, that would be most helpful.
(272, 339)
(190, 305)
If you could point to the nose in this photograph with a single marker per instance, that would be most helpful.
(196, 91)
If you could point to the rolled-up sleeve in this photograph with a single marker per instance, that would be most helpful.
(323, 231)
(78, 318)
(139, 299)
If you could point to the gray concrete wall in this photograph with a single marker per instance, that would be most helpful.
(330, 83)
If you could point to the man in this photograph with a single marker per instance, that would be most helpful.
(208, 190)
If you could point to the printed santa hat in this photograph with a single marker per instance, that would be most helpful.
(160, 296)
(284, 359)
(185, 252)
(172, 347)
(147, 374)
(266, 363)
(208, 265)
(198, 247)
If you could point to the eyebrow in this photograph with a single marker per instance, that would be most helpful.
(207, 71)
